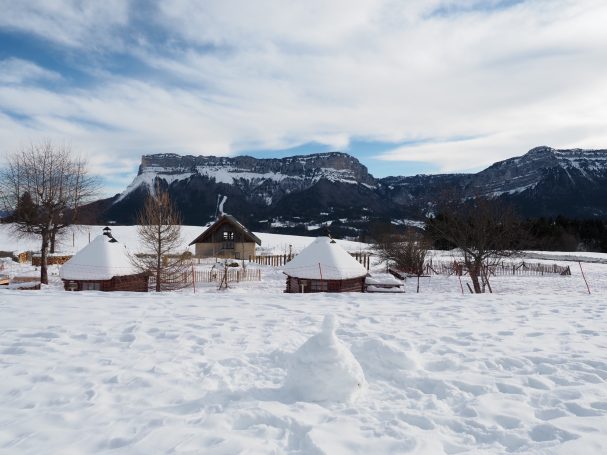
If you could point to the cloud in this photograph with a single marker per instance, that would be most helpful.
(72, 23)
(18, 71)
(469, 82)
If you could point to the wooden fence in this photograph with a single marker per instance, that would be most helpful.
(212, 276)
(234, 275)
(501, 269)
(276, 260)
(279, 260)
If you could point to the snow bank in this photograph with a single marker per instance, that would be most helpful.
(385, 359)
(324, 369)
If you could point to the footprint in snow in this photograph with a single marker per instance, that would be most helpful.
(510, 389)
(546, 432)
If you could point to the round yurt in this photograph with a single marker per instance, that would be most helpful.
(103, 265)
(324, 266)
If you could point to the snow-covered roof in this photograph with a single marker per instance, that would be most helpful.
(384, 279)
(101, 259)
(324, 259)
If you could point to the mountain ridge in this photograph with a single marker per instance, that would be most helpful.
(335, 186)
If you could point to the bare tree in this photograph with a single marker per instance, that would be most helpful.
(159, 229)
(42, 187)
(484, 231)
(405, 252)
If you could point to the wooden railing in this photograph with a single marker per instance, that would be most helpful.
(275, 260)
(279, 260)
(212, 276)
(234, 275)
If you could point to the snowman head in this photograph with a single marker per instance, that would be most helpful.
(329, 324)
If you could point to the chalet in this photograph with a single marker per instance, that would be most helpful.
(226, 238)
(324, 266)
(103, 265)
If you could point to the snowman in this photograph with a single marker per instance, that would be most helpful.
(323, 369)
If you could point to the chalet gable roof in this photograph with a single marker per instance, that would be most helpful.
(226, 219)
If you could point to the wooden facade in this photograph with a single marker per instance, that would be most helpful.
(299, 285)
(132, 283)
(227, 239)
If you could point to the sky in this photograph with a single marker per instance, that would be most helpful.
(411, 86)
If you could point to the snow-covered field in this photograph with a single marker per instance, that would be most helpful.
(76, 237)
(523, 370)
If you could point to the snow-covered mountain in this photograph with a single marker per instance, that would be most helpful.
(517, 175)
(263, 179)
(336, 189)
(543, 182)
(318, 188)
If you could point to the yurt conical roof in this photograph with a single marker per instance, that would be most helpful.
(324, 259)
(101, 259)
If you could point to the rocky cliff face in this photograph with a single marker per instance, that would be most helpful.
(543, 182)
(263, 180)
(517, 175)
(335, 188)
(333, 165)
(293, 187)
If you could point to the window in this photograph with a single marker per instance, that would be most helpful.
(87, 286)
(303, 285)
(317, 285)
(228, 240)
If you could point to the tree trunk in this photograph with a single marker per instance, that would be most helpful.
(158, 264)
(474, 270)
(53, 236)
(44, 259)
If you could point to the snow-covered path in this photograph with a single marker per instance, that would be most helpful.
(182, 373)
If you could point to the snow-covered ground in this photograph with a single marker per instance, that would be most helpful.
(523, 370)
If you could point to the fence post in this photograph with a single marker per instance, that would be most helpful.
(193, 278)
(584, 276)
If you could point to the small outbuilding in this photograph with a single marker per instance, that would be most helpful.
(226, 238)
(103, 265)
(324, 266)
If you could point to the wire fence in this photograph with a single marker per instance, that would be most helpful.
(522, 268)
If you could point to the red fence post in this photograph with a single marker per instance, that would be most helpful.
(584, 276)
